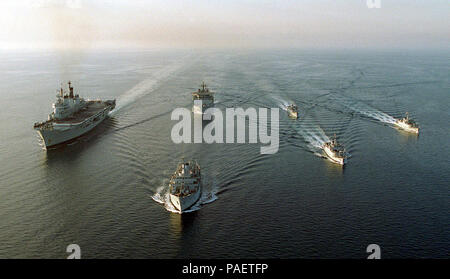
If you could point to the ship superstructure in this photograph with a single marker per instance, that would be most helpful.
(407, 124)
(72, 117)
(203, 99)
(335, 151)
(185, 186)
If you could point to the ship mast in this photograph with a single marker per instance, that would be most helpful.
(70, 90)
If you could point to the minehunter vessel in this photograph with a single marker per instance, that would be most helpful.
(407, 124)
(185, 186)
(72, 117)
(335, 151)
(292, 111)
(203, 99)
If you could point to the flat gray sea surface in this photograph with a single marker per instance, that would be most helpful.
(106, 191)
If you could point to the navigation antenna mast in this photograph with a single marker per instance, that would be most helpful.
(70, 90)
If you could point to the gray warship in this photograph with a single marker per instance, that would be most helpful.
(72, 117)
(203, 99)
(335, 151)
(185, 186)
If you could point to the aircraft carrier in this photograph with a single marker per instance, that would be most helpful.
(72, 117)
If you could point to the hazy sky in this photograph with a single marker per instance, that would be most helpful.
(223, 23)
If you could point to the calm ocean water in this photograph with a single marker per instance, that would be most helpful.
(104, 191)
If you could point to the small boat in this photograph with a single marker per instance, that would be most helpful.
(335, 151)
(292, 111)
(407, 124)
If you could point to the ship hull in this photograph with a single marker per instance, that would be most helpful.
(407, 128)
(333, 158)
(201, 107)
(61, 133)
(292, 114)
(184, 203)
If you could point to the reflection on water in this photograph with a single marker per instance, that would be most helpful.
(407, 137)
(334, 170)
(181, 222)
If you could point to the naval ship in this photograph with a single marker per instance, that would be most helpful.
(292, 111)
(335, 151)
(185, 186)
(203, 99)
(72, 117)
(407, 124)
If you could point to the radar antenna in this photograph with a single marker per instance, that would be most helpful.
(70, 90)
